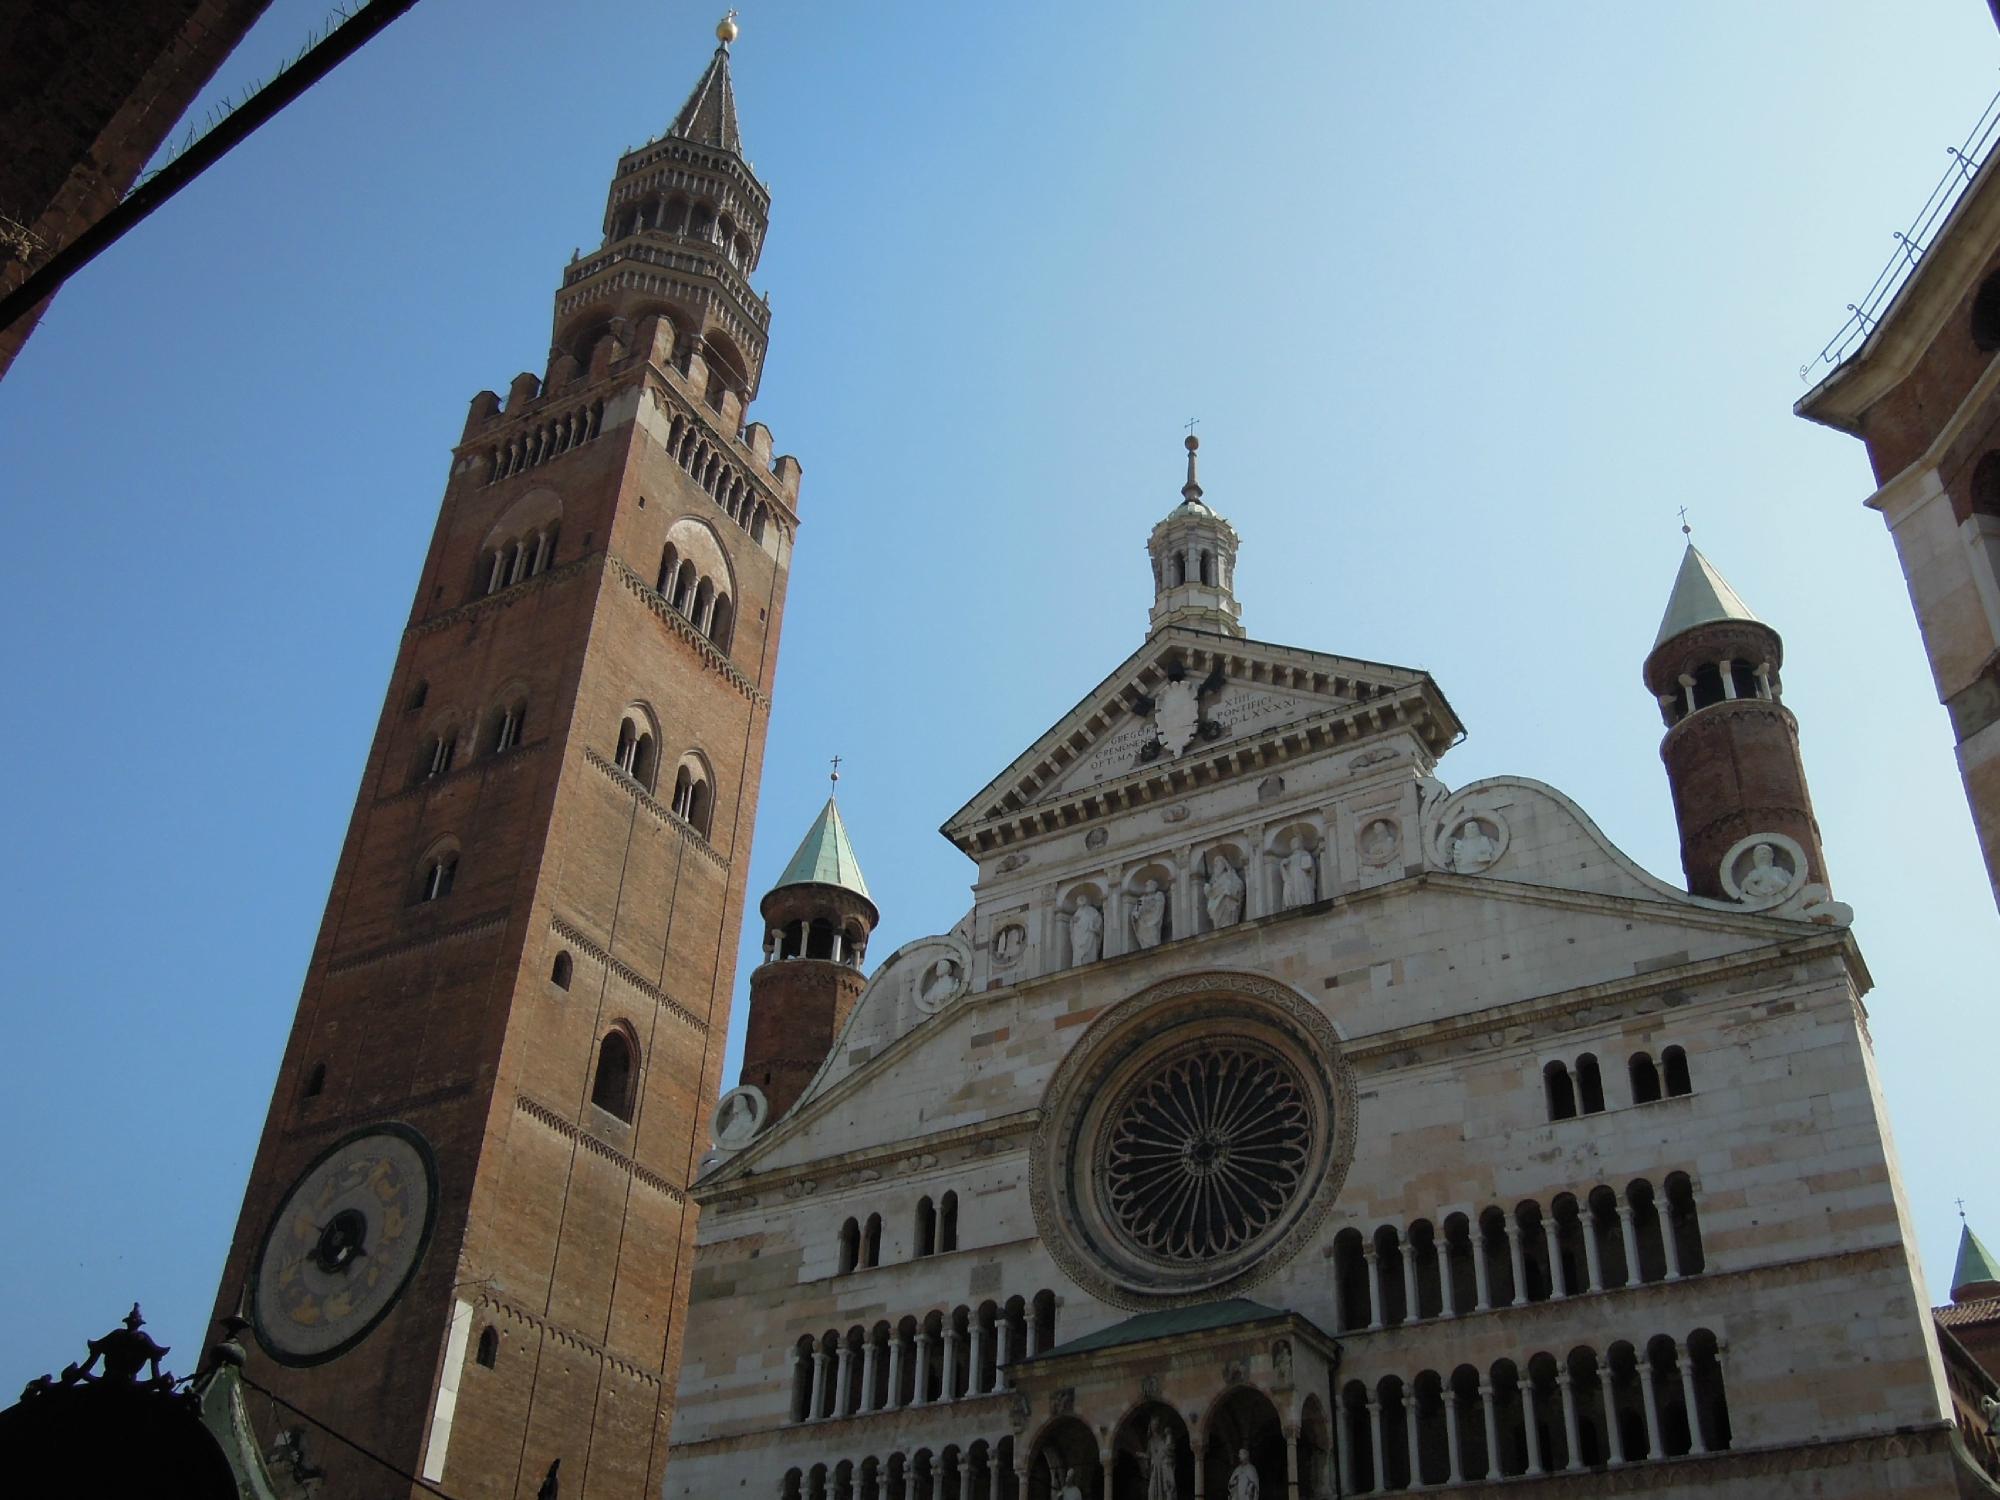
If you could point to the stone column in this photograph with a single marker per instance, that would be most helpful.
(1447, 1289)
(1292, 1463)
(895, 1371)
(920, 1393)
(868, 1376)
(1375, 1435)
(1003, 1327)
(840, 1383)
(1343, 1434)
(1587, 1222)
(1529, 1426)
(1696, 1444)
(819, 1383)
(1687, 694)
(1664, 1207)
(948, 1381)
(1517, 1261)
(1410, 1435)
(1034, 1334)
(975, 1383)
(1554, 1243)
(1256, 874)
(1630, 1234)
(799, 1358)
(1481, 1277)
(1652, 1403)
(1182, 899)
(1374, 1285)
(1453, 1476)
(1492, 1421)
(1566, 1386)
(1608, 1398)
(1410, 1313)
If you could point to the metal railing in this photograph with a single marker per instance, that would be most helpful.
(1911, 243)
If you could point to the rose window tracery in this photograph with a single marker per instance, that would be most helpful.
(1192, 1141)
(1205, 1153)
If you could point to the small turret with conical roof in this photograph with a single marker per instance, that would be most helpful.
(1976, 1274)
(1731, 747)
(817, 921)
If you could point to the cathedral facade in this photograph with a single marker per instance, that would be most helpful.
(1282, 1122)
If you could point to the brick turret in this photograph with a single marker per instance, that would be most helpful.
(1731, 747)
(817, 921)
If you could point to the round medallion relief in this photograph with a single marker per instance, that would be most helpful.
(1193, 1140)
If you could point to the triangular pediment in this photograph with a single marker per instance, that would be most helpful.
(1193, 708)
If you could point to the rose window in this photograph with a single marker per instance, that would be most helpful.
(1192, 1141)
(1207, 1152)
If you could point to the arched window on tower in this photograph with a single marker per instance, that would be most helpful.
(1675, 1064)
(850, 1247)
(1207, 566)
(611, 1087)
(947, 1229)
(561, 971)
(316, 1081)
(694, 797)
(637, 755)
(489, 1347)
(1645, 1076)
(1589, 1085)
(1561, 1092)
(722, 622)
(437, 871)
(926, 1240)
(871, 1242)
(1707, 684)
(670, 563)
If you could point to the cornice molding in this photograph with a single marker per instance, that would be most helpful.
(667, 816)
(535, 1110)
(570, 933)
(569, 1338)
(491, 921)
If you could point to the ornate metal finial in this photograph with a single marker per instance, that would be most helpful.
(1191, 491)
(726, 30)
(1961, 1209)
(1686, 530)
(835, 777)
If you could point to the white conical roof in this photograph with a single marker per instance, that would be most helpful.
(1701, 596)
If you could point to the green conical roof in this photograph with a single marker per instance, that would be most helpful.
(1701, 596)
(826, 857)
(1976, 1264)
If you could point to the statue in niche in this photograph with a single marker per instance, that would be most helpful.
(1243, 1478)
(1062, 1483)
(1149, 915)
(1009, 944)
(1086, 933)
(940, 983)
(1295, 875)
(1281, 1363)
(1225, 892)
(1160, 1483)
(1765, 877)
(1472, 848)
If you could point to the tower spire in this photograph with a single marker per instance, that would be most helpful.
(709, 116)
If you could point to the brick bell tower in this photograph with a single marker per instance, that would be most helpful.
(466, 1243)
(1731, 747)
(817, 921)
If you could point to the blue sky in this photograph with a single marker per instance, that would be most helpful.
(1469, 300)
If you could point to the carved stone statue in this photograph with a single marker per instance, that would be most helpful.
(941, 983)
(1243, 1478)
(1225, 892)
(1295, 875)
(1149, 915)
(1011, 942)
(1281, 1364)
(1160, 1477)
(1765, 877)
(1086, 933)
(1472, 848)
(1062, 1482)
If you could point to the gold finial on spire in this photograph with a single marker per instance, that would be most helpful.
(726, 30)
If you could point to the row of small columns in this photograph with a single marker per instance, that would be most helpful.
(1536, 1465)
(1482, 1280)
(920, 1392)
(1762, 672)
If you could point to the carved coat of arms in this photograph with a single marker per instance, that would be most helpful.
(1176, 715)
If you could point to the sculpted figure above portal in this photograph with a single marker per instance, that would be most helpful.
(1295, 876)
(1149, 915)
(1086, 933)
(1225, 892)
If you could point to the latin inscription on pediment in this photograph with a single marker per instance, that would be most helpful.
(1234, 712)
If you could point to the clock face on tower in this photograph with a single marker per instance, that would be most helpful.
(343, 1244)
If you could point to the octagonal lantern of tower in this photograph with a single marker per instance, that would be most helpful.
(1194, 564)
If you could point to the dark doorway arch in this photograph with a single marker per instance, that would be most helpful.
(1242, 1424)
